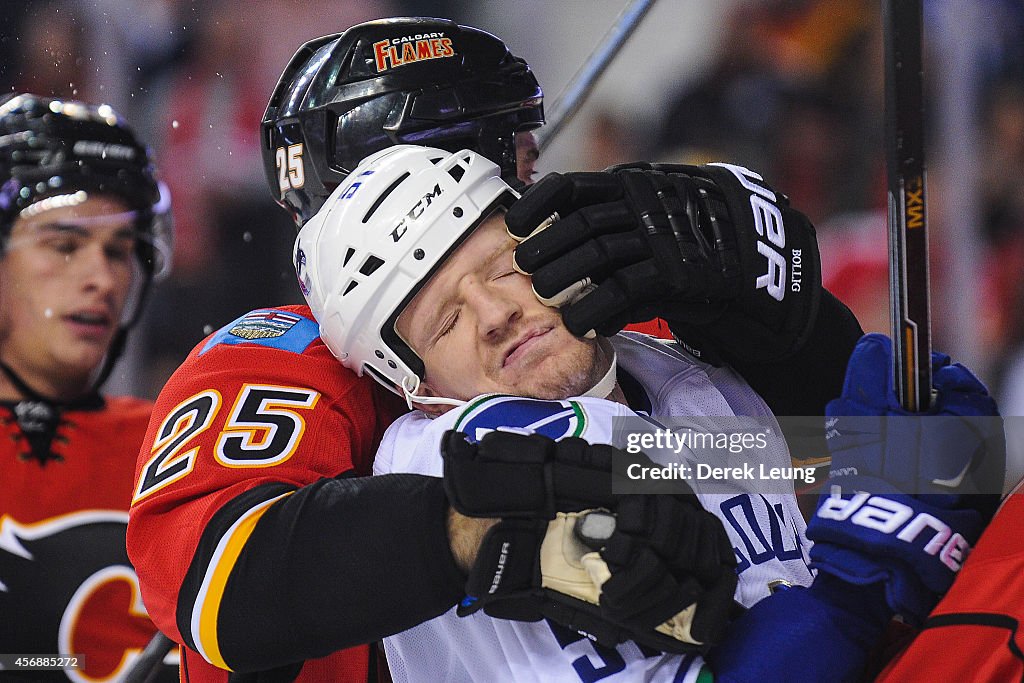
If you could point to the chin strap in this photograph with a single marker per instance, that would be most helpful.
(411, 397)
(606, 384)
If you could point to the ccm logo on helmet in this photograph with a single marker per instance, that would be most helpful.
(398, 51)
(887, 516)
(768, 224)
(414, 213)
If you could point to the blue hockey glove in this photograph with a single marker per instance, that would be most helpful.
(909, 494)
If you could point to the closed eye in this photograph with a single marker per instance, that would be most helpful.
(449, 325)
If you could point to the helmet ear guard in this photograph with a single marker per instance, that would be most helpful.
(378, 239)
(397, 81)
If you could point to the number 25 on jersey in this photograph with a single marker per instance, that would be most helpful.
(262, 429)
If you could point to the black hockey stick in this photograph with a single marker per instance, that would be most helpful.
(151, 658)
(909, 287)
(582, 84)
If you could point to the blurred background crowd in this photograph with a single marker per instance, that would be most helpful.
(790, 88)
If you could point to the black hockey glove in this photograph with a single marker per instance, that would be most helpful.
(656, 569)
(521, 476)
(712, 250)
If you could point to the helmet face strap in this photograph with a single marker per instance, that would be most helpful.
(409, 393)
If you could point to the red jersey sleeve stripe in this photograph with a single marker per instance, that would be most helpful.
(223, 540)
(207, 606)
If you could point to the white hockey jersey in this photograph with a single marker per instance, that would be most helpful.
(766, 528)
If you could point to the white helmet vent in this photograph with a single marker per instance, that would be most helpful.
(383, 195)
(371, 264)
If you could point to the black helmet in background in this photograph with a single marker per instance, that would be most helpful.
(388, 82)
(51, 147)
(56, 152)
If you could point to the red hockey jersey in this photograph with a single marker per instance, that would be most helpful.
(66, 585)
(259, 411)
(975, 633)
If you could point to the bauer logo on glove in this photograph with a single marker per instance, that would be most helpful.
(908, 493)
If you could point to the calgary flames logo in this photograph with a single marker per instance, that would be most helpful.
(69, 586)
(408, 49)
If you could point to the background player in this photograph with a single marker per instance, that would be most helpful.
(84, 230)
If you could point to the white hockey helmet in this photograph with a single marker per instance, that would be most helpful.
(377, 240)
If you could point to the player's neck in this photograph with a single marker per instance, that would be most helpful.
(618, 395)
(7, 391)
(18, 383)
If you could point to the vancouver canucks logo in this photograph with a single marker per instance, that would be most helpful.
(553, 419)
(301, 273)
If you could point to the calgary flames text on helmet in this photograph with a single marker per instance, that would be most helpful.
(398, 51)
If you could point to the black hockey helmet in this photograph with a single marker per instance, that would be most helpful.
(51, 147)
(57, 151)
(387, 82)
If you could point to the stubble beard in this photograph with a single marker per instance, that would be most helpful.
(575, 376)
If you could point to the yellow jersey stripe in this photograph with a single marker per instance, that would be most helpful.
(206, 609)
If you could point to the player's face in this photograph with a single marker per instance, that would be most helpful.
(64, 279)
(479, 329)
(527, 154)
